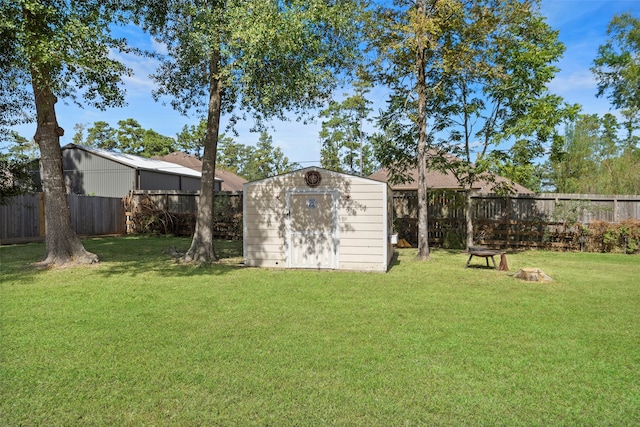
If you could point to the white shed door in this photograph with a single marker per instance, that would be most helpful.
(313, 221)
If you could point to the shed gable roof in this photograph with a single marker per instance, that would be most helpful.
(322, 171)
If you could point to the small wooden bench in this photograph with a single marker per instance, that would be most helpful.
(486, 253)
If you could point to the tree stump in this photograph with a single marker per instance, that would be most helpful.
(532, 275)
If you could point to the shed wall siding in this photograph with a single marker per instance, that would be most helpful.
(264, 225)
(362, 228)
(362, 232)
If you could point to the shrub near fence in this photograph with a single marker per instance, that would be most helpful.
(613, 237)
(550, 221)
(174, 212)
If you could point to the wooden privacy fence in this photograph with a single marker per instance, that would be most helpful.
(22, 219)
(548, 220)
(560, 221)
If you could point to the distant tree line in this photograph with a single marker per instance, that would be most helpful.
(253, 162)
(594, 159)
(129, 137)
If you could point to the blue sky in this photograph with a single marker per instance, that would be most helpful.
(582, 25)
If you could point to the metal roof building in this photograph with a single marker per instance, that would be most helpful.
(94, 171)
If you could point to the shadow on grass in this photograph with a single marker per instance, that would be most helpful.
(130, 255)
(395, 261)
(481, 267)
(139, 255)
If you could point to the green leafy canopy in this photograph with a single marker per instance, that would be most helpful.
(68, 45)
(271, 57)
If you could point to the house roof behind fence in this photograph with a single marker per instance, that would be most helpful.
(230, 181)
(446, 180)
(437, 180)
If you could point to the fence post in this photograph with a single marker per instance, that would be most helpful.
(507, 209)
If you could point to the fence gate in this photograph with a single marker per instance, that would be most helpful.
(312, 219)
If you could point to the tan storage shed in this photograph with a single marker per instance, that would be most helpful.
(316, 218)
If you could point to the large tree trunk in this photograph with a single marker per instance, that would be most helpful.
(423, 216)
(468, 216)
(61, 242)
(423, 193)
(202, 250)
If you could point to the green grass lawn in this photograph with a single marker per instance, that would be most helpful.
(142, 340)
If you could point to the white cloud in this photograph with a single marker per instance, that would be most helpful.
(577, 80)
(159, 47)
(139, 82)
